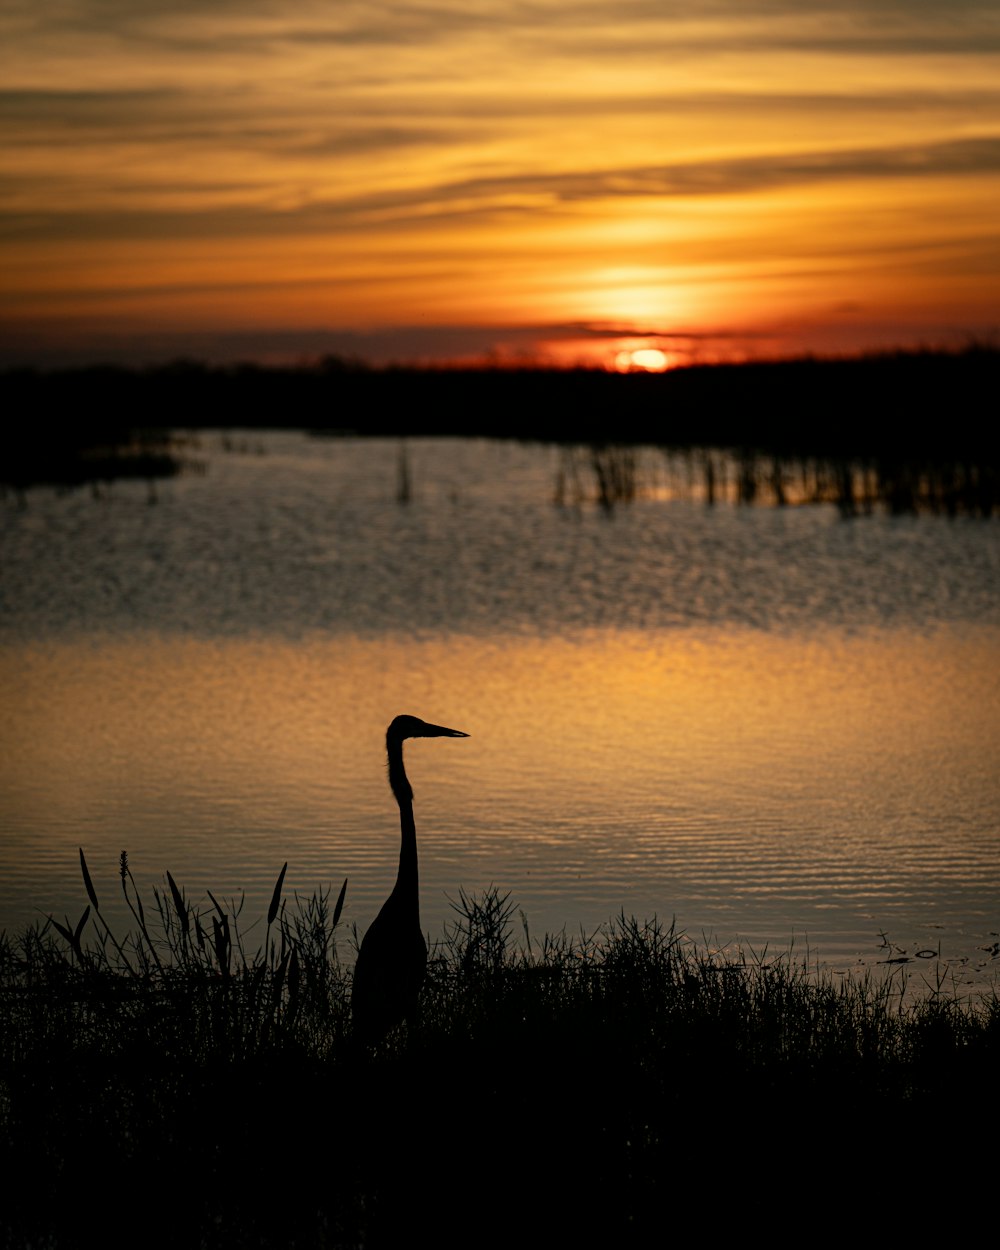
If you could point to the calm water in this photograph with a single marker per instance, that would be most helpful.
(775, 725)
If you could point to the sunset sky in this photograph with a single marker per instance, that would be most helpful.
(470, 179)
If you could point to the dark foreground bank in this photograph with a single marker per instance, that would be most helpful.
(174, 1088)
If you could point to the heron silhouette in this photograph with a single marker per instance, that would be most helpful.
(392, 960)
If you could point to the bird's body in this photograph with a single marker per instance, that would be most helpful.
(392, 960)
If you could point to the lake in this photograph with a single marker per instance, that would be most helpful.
(777, 725)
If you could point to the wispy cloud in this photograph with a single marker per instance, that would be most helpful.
(534, 193)
(562, 155)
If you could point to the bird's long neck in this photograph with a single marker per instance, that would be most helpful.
(406, 888)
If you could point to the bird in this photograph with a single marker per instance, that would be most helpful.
(392, 960)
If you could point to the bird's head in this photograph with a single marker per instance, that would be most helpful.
(413, 727)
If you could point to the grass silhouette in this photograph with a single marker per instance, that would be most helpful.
(181, 1084)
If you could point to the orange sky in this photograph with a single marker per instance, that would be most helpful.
(435, 179)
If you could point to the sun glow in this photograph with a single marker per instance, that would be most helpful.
(643, 360)
(784, 188)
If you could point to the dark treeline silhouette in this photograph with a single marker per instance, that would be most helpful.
(902, 416)
(74, 452)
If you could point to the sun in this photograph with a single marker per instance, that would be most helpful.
(642, 360)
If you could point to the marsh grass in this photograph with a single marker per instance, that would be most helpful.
(204, 1088)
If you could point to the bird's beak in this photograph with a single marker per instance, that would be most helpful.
(440, 731)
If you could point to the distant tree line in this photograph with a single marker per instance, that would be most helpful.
(914, 406)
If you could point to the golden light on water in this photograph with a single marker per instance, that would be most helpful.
(715, 776)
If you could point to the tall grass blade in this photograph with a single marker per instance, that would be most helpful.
(179, 905)
(222, 942)
(66, 932)
(279, 976)
(340, 903)
(91, 892)
(272, 911)
(73, 936)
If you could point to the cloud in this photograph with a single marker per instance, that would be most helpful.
(533, 193)
(512, 150)
(591, 28)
